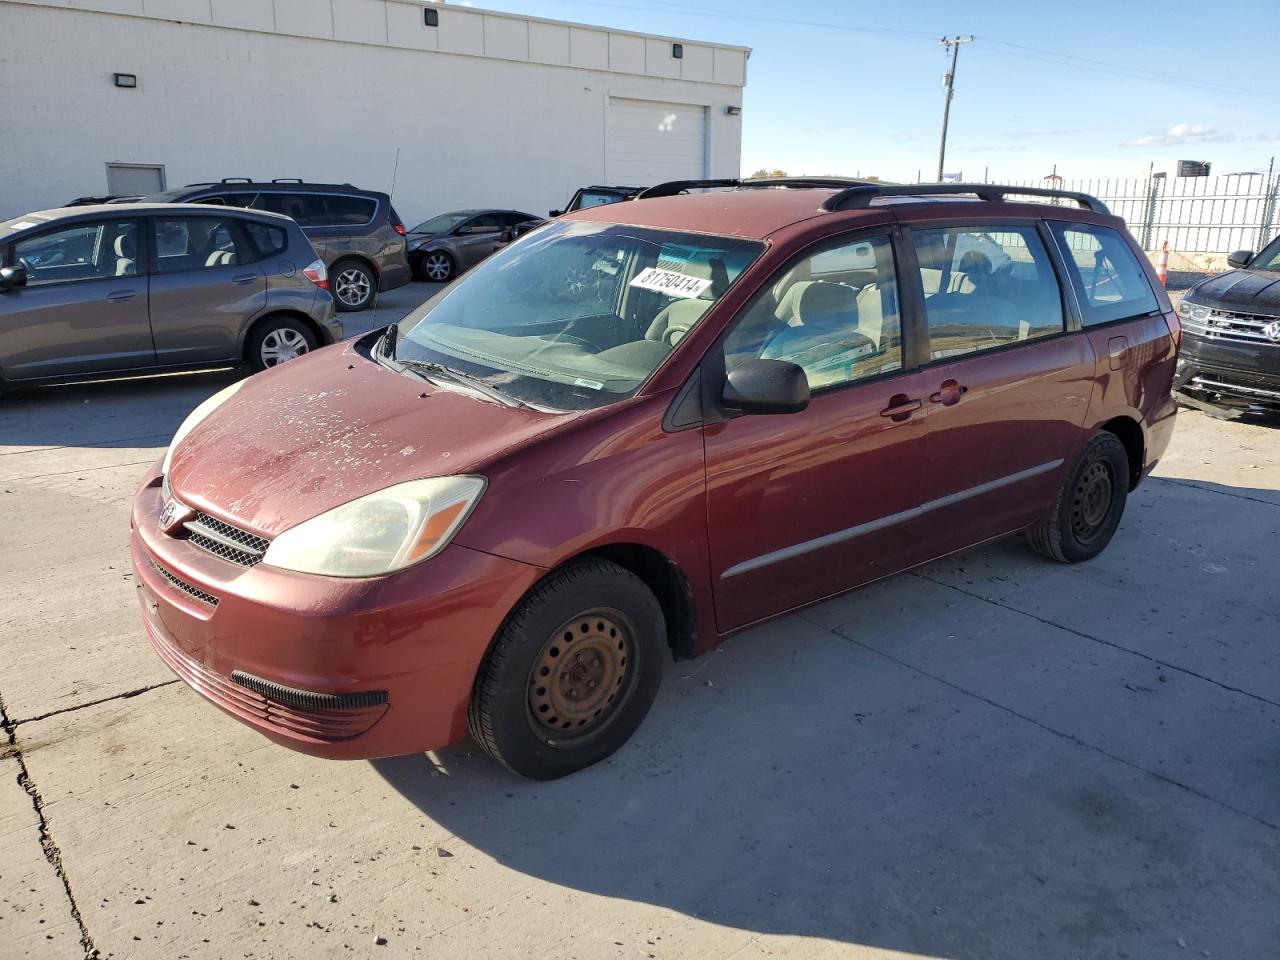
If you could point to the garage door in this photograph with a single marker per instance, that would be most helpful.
(647, 142)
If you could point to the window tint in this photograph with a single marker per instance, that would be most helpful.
(268, 240)
(197, 243)
(484, 223)
(1107, 277)
(986, 287)
(83, 251)
(835, 313)
(318, 209)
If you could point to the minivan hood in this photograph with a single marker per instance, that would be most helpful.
(320, 431)
(1243, 290)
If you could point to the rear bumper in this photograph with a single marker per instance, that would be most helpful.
(394, 273)
(346, 669)
(1233, 373)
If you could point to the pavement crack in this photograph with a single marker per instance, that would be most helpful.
(1221, 493)
(93, 703)
(1164, 664)
(1061, 734)
(47, 844)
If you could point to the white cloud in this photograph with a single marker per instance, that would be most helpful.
(1179, 134)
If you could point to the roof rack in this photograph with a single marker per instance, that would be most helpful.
(286, 180)
(673, 187)
(236, 180)
(861, 195)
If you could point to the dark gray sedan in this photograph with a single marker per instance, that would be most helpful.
(142, 287)
(446, 245)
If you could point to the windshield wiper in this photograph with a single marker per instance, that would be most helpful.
(458, 376)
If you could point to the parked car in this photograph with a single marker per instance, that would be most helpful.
(448, 244)
(586, 197)
(357, 233)
(758, 400)
(1230, 360)
(141, 287)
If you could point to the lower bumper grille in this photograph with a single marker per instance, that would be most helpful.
(309, 723)
(178, 583)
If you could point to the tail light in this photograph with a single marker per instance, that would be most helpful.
(1175, 329)
(317, 273)
(398, 228)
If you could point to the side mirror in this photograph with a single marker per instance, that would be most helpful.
(767, 386)
(11, 278)
(555, 213)
(1240, 259)
(507, 235)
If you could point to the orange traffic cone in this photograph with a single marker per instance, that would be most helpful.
(1162, 265)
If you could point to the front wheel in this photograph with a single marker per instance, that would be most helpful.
(436, 267)
(354, 285)
(1089, 506)
(571, 673)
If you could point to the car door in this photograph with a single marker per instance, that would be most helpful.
(477, 238)
(84, 307)
(804, 505)
(205, 285)
(1008, 379)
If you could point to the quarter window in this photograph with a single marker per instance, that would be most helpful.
(986, 287)
(198, 243)
(1110, 283)
(268, 240)
(834, 313)
(82, 251)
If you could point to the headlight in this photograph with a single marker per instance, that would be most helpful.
(193, 421)
(382, 532)
(1195, 312)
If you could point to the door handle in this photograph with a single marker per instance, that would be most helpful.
(243, 279)
(949, 393)
(900, 407)
(120, 296)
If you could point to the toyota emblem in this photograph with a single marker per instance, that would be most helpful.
(168, 515)
(1272, 331)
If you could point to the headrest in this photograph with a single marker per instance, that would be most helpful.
(125, 246)
(975, 262)
(822, 304)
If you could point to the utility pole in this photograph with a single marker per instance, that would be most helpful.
(948, 81)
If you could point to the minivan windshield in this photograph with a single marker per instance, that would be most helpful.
(1269, 258)
(578, 314)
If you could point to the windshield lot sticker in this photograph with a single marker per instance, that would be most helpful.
(671, 283)
(589, 384)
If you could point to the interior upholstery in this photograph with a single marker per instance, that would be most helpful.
(675, 320)
(126, 251)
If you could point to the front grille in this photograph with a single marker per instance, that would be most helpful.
(308, 723)
(176, 581)
(224, 540)
(1232, 327)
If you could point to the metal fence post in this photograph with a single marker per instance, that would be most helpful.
(1149, 219)
(1268, 214)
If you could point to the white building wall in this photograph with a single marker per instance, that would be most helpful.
(486, 109)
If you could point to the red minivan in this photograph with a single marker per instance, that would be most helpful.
(635, 431)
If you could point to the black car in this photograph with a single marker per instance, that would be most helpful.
(583, 198)
(356, 232)
(1230, 357)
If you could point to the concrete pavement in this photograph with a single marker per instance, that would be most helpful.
(991, 757)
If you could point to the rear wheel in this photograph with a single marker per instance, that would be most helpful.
(571, 673)
(1089, 506)
(353, 284)
(277, 339)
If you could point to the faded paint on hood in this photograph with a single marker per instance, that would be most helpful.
(323, 430)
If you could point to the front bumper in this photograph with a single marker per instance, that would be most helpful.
(1233, 373)
(346, 669)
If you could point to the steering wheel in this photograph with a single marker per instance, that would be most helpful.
(673, 334)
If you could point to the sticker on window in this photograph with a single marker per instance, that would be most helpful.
(671, 283)
(21, 225)
(589, 384)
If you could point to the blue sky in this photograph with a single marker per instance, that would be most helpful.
(857, 89)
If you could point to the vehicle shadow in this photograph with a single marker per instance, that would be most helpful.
(136, 411)
(848, 774)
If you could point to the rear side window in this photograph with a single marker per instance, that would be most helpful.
(986, 287)
(1109, 281)
(198, 243)
(268, 240)
(319, 209)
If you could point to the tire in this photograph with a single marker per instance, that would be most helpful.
(276, 340)
(435, 267)
(354, 285)
(597, 635)
(1089, 506)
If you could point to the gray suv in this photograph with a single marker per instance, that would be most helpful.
(357, 233)
(142, 287)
